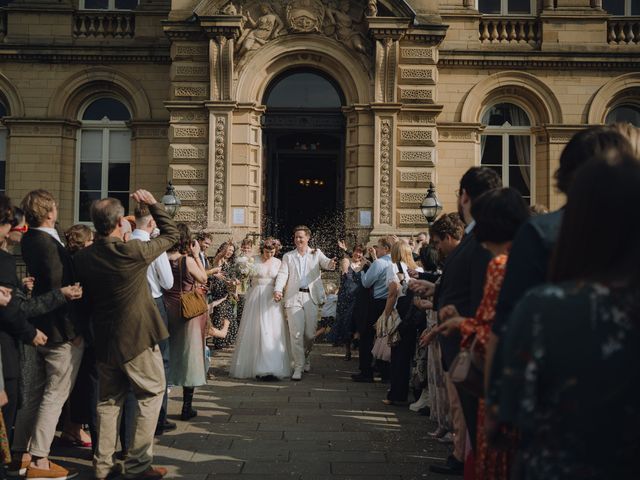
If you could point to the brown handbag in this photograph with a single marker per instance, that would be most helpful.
(467, 371)
(192, 303)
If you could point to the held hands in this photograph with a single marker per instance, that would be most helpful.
(72, 292)
(40, 339)
(5, 296)
(422, 304)
(28, 282)
(144, 196)
(277, 296)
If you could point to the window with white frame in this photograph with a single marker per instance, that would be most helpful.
(507, 7)
(506, 146)
(104, 155)
(3, 150)
(624, 113)
(621, 7)
(108, 4)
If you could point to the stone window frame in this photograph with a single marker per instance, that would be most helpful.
(106, 126)
(624, 101)
(504, 9)
(505, 132)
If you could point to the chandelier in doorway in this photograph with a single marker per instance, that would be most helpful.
(311, 182)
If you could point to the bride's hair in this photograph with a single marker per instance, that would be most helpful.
(270, 243)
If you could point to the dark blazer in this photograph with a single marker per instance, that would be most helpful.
(462, 285)
(116, 296)
(14, 318)
(50, 263)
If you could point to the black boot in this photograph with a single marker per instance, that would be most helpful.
(188, 412)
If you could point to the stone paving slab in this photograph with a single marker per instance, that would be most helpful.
(324, 427)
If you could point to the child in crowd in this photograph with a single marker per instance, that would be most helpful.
(328, 312)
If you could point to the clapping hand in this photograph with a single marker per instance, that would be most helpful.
(342, 245)
(5, 296)
(144, 196)
(422, 287)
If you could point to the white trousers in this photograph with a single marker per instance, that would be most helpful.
(302, 318)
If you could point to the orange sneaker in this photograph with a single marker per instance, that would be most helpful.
(54, 471)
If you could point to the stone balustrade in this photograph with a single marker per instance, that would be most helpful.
(510, 30)
(623, 31)
(104, 24)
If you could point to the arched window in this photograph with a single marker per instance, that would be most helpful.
(624, 113)
(506, 146)
(507, 7)
(3, 149)
(303, 89)
(621, 7)
(104, 155)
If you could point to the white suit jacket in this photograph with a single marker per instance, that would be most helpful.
(288, 279)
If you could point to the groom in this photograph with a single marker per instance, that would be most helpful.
(299, 278)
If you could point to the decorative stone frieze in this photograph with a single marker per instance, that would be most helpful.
(416, 177)
(422, 156)
(424, 136)
(418, 74)
(190, 116)
(191, 193)
(411, 198)
(416, 118)
(190, 131)
(190, 71)
(188, 152)
(187, 172)
(386, 205)
(421, 55)
(459, 133)
(409, 218)
(219, 184)
(190, 51)
(186, 91)
(417, 94)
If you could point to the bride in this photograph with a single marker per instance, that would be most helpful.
(261, 349)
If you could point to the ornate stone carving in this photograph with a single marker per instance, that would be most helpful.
(372, 8)
(418, 74)
(192, 70)
(385, 172)
(417, 136)
(417, 156)
(219, 193)
(188, 152)
(411, 198)
(411, 219)
(187, 172)
(416, 95)
(191, 193)
(268, 26)
(191, 51)
(190, 91)
(415, 176)
(343, 27)
(410, 118)
(418, 54)
(305, 16)
(189, 132)
(189, 116)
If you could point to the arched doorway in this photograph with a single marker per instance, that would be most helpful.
(303, 137)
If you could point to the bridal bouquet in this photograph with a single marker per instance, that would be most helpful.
(244, 269)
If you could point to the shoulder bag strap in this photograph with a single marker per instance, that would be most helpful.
(400, 271)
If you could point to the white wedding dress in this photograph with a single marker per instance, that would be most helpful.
(261, 348)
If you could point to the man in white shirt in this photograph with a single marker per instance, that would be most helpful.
(300, 280)
(159, 277)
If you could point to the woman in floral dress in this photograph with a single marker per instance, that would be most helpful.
(498, 215)
(220, 287)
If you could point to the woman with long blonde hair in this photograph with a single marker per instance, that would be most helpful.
(401, 298)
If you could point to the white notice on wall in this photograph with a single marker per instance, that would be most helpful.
(365, 218)
(238, 216)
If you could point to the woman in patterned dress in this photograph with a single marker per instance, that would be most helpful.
(220, 287)
(498, 215)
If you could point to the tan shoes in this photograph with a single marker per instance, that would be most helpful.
(54, 471)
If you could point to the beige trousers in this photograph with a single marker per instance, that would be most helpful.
(52, 379)
(302, 318)
(457, 419)
(145, 376)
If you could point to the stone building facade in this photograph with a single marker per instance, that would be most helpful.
(261, 110)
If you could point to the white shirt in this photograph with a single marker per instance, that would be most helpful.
(392, 277)
(159, 274)
(330, 305)
(469, 227)
(301, 265)
(51, 231)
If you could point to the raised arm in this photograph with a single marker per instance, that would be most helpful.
(169, 234)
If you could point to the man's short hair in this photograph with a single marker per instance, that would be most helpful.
(6, 211)
(302, 228)
(478, 180)
(448, 224)
(105, 215)
(36, 205)
(385, 243)
(141, 211)
(202, 236)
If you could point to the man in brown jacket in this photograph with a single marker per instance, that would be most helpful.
(127, 327)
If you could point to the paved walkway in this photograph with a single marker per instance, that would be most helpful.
(324, 427)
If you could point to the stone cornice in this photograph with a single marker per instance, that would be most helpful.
(84, 55)
(41, 127)
(572, 60)
(459, 132)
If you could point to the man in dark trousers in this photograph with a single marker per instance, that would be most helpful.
(128, 327)
(460, 292)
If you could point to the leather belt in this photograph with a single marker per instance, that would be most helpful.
(306, 290)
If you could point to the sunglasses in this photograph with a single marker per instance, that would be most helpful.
(22, 229)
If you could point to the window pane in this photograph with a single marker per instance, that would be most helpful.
(520, 6)
(3, 110)
(126, 4)
(119, 177)
(491, 146)
(506, 113)
(119, 146)
(614, 7)
(625, 114)
(519, 178)
(110, 108)
(304, 90)
(124, 199)
(91, 146)
(86, 199)
(635, 8)
(489, 6)
(96, 4)
(3, 145)
(90, 176)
